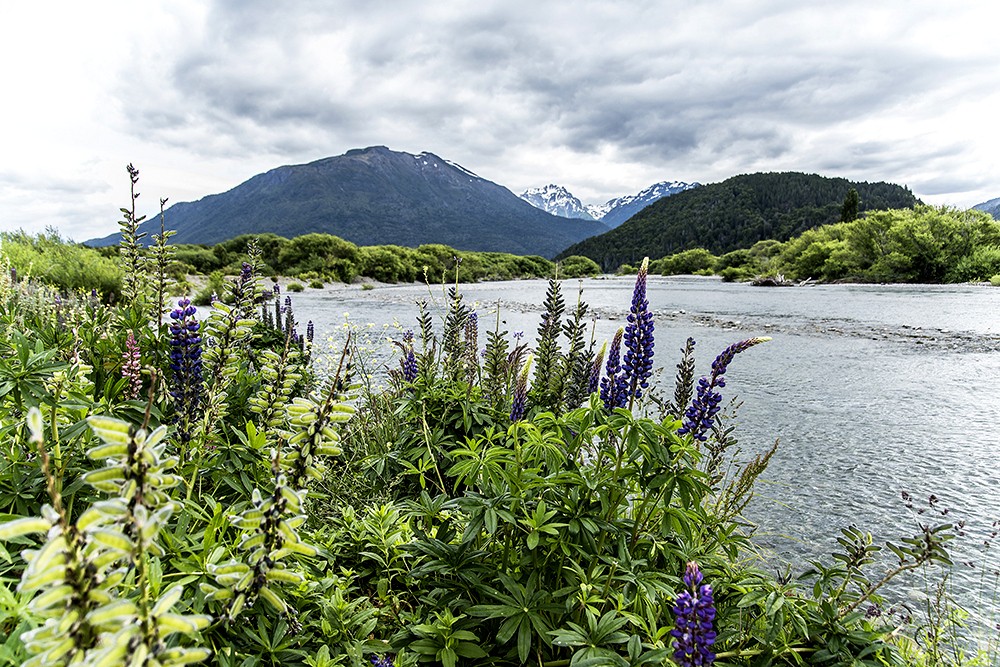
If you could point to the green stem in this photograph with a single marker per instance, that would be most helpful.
(430, 452)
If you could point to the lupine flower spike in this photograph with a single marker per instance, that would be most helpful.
(384, 661)
(613, 388)
(700, 415)
(594, 382)
(519, 402)
(132, 367)
(694, 617)
(637, 366)
(186, 364)
(410, 368)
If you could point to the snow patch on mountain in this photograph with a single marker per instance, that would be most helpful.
(616, 211)
(556, 200)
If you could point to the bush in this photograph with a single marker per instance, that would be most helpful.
(60, 263)
(215, 286)
(317, 284)
(295, 287)
(694, 261)
(576, 266)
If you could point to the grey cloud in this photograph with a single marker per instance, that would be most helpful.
(666, 85)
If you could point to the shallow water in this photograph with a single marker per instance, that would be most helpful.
(871, 390)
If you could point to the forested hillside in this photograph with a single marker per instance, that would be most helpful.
(736, 213)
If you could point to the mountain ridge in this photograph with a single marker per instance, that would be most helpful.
(991, 206)
(373, 196)
(558, 200)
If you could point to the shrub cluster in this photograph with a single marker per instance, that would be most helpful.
(921, 245)
(322, 256)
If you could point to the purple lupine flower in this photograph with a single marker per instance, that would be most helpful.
(409, 362)
(700, 415)
(410, 368)
(310, 331)
(383, 661)
(519, 400)
(215, 297)
(246, 272)
(694, 617)
(594, 381)
(288, 304)
(637, 365)
(472, 333)
(186, 364)
(13, 274)
(277, 288)
(132, 367)
(613, 388)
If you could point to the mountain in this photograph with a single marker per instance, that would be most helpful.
(617, 211)
(375, 196)
(992, 207)
(735, 213)
(557, 200)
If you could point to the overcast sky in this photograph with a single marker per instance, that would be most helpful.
(604, 98)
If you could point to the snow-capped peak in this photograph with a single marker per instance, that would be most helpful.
(618, 210)
(556, 200)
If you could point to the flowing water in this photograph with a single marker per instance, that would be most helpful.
(872, 390)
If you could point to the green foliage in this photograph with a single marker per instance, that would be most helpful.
(923, 244)
(315, 256)
(926, 244)
(694, 261)
(849, 209)
(214, 286)
(284, 522)
(577, 266)
(49, 258)
(295, 287)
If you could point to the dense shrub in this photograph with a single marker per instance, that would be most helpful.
(60, 263)
(577, 266)
(693, 261)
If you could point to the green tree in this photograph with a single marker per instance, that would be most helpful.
(849, 211)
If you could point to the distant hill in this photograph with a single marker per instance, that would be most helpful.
(375, 196)
(735, 213)
(992, 207)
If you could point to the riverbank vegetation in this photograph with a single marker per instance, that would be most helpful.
(312, 258)
(178, 485)
(925, 244)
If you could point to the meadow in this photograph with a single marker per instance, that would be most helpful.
(179, 485)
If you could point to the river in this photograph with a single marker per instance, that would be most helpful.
(871, 390)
